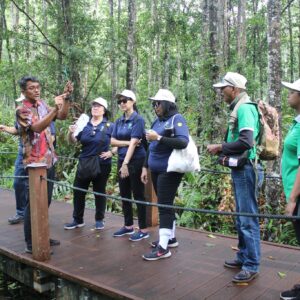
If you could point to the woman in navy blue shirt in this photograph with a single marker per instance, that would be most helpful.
(95, 140)
(127, 134)
(169, 131)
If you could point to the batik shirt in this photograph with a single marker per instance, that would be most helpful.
(37, 147)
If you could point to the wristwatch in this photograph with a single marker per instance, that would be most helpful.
(159, 138)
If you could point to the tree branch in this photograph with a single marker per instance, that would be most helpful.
(38, 28)
(99, 73)
(287, 6)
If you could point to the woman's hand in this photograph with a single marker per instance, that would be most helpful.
(72, 128)
(144, 175)
(124, 171)
(290, 208)
(151, 135)
(106, 155)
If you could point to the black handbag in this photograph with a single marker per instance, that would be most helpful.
(89, 167)
(233, 161)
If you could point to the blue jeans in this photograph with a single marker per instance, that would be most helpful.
(20, 186)
(245, 186)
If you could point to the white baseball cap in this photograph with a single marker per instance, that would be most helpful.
(21, 98)
(100, 101)
(128, 94)
(292, 86)
(232, 79)
(163, 95)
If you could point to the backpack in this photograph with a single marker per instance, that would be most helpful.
(269, 136)
(268, 142)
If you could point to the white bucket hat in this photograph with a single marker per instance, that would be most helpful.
(232, 79)
(292, 86)
(128, 94)
(163, 95)
(21, 98)
(100, 101)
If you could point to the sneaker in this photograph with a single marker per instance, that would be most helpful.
(244, 276)
(73, 225)
(123, 231)
(99, 225)
(294, 293)
(28, 249)
(157, 253)
(233, 264)
(54, 242)
(137, 236)
(172, 243)
(16, 219)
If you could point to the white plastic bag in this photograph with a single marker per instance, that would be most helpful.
(184, 160)
(81, 123)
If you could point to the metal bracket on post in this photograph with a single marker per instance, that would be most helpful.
(150, 196)
(39, 211)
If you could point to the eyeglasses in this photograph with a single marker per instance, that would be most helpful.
(124, 101)
(156, 104)
(93, 132)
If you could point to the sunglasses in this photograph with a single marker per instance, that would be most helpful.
(93, 132)
(124, 101)
(156, 104)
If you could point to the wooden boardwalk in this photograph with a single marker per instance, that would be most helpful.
(113, 266)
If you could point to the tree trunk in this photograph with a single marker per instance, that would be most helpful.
(113, 68)
(291, 45)
(10, 60)
(241, 34)
(1, 28)
(214, 67)
(74, 58)
(45, 25)
(131, 46)
(273, 187)
(27, 5)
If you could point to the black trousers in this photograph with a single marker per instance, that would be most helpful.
(133, 185)
(27, 215)
(296, 223)
(165, 185)
(99, 186)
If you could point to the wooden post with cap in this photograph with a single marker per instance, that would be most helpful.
(150, 196)
(39, 211)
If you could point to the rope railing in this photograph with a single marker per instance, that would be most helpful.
(190, 209)
(203, 170)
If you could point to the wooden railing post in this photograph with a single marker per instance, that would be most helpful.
(39, 211)
(152, 211)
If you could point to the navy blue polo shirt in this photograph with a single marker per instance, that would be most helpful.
(95, 140)
(159, 153)
(125, 130)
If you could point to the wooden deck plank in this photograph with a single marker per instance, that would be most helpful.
(103, 263)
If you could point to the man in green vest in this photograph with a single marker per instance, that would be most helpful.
(239, 151)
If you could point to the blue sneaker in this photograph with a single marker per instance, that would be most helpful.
(73, 225)
(137, 236)
(99, 225)
(123, 231)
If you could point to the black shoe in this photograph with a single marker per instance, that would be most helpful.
(244, 276)
(233, 264)
(172, 243)
(292, 294)
(157, 253)
(16, 219)
(54, 242)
